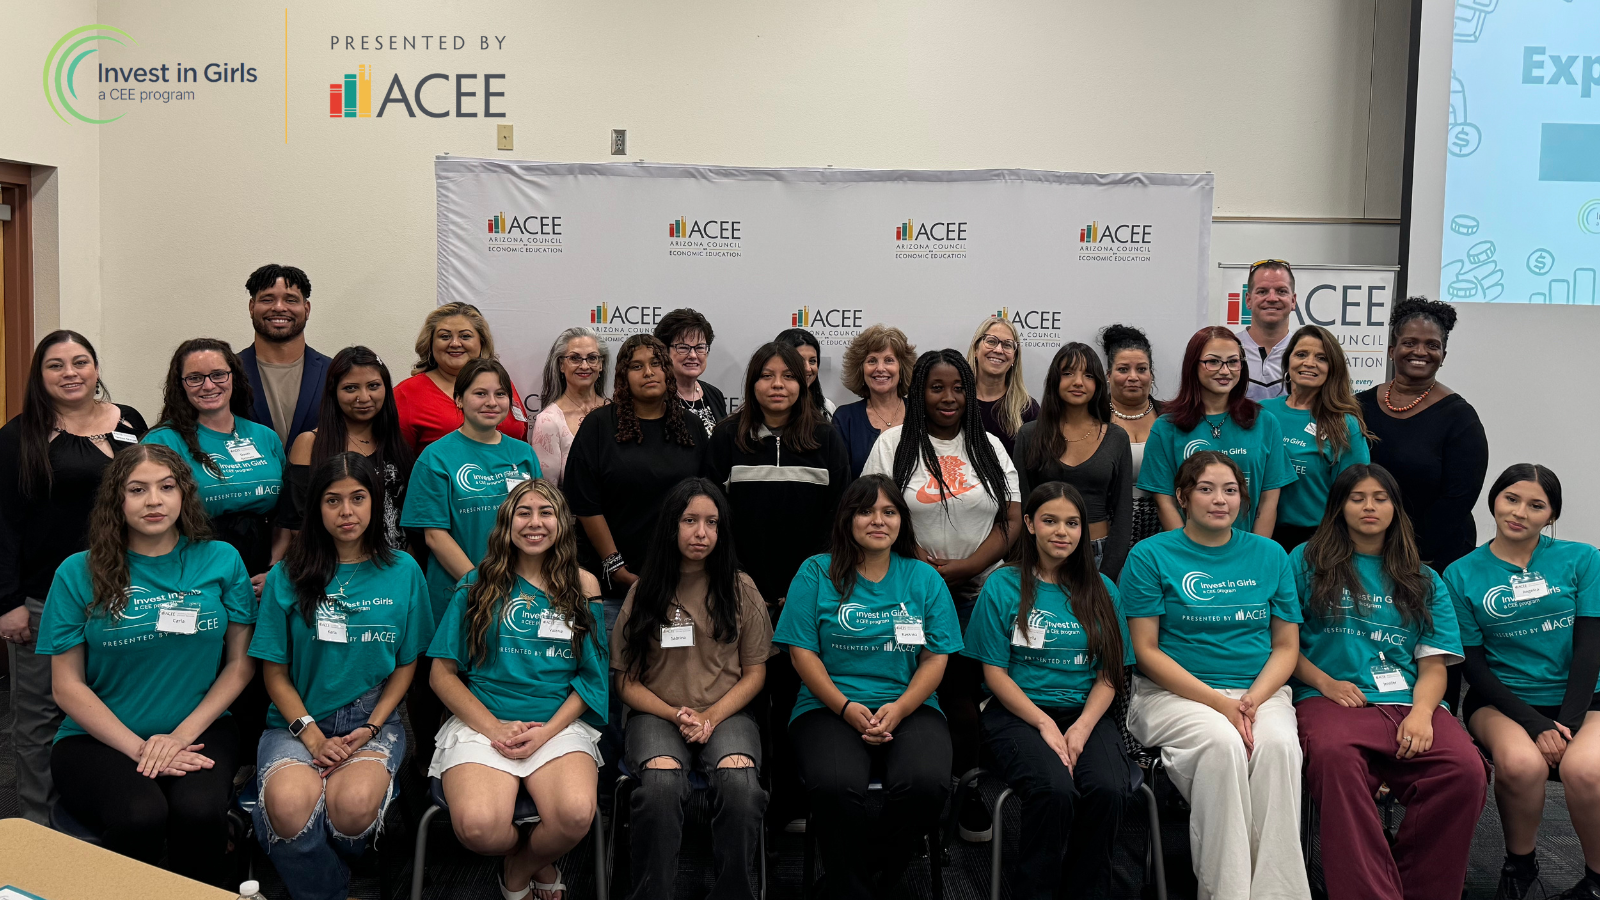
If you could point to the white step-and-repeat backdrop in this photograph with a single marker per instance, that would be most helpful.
(540, 247)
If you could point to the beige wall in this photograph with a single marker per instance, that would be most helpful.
(164, 212)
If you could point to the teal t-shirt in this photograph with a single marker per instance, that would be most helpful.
(1528, 642)
(251, 460)
(1303, 500)
(525, 677)
(1056, 674)
(1258, 451)
(458, 485)
(856, 637)
(1347, 649)
(150, 680)
(1216, 603)
(387, 624)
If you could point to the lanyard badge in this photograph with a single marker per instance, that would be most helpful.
(243, 450)
(1387, 677)
(552, 626)
(908, 631)
(1528, 586)
(680, 633)
(184, 618)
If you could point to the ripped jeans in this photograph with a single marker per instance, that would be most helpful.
(312, 863)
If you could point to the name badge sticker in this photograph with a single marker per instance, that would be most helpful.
(178, 620)
(333, 626)
(518, 414)
(1387, 677)
(1311, 429)
(514, 479)
(1033, 639)
(677, 636)
(1528, 586)
(553, 627)
(243, 450)
(909, 633)
(124, 437)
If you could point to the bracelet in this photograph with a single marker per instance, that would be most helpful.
(612, 563)
(845, 707)
(375, 729)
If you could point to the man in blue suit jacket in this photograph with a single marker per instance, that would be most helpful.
(286, 376)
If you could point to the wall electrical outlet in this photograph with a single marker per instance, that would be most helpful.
(619, 142)
(502, 137)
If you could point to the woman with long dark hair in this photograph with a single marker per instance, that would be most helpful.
(1074, 441)
(238, 464)
(53, 454)
(1379, 631)
(520, 661)
(961, 489)
(626, 456)
(343, 619)
(1322, 429)
(1054, 648)
(805, 344)
(1213, 615)
(359, 415)
(869, 627)
(1132, 374)
(690, 650)
(1211, 412)
(148, 631)
(460, 477)
(1529, 609)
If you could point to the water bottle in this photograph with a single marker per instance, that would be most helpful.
(250, 890)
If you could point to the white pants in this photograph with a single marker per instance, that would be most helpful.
(1244, 828)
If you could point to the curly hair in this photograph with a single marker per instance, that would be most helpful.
(489, 596)
(916, 450)
(871, 340)
(424, 345)
(1440, 314)
(180, 415)
(622, 397)
(108, 524)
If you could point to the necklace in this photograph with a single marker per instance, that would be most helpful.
(358, 440)
(1150, 407)
(1216, 427)
(885, 420)
(1086, 435)
(1410, 406)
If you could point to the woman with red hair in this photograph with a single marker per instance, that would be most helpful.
(1211, 412)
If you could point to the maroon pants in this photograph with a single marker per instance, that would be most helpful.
(1349, 753)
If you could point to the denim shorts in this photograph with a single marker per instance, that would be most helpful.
(279, 746)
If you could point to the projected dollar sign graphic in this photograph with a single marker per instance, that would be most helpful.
(1541, 261)
(1464, 139)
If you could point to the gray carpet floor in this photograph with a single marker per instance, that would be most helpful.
(455, 873)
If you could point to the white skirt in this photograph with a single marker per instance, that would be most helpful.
(458, 743)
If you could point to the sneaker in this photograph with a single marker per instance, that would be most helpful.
(1517, 883)
(973, 822)
(795, 826)
(1583, 890)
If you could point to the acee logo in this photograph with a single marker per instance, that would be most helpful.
(1561, 69)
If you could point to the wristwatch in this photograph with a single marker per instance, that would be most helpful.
(299, 725)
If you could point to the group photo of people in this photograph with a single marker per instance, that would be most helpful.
(236, 626)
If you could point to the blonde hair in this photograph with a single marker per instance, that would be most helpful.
(869, 341)
(1008, 412)
(424, 348)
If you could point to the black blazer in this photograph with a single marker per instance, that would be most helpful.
(307, 407)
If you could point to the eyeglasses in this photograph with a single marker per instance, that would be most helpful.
(696, 349)
(1212, 363)
(990, 342)
(592, 359)
(220, 378)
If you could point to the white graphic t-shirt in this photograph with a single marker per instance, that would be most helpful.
(956, 527)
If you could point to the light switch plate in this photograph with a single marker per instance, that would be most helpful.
(502, 137)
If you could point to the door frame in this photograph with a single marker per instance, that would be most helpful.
(18, 312)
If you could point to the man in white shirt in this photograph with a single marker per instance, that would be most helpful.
(1271, 301)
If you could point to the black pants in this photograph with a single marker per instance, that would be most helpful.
(783, 771)
(960, 692)
(836, 765)
(251, 535)
(183, 818)
(1069, 818)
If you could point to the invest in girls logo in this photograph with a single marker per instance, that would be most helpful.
(143, 81)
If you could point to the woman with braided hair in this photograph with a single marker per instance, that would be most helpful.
(961, 487)
(626, 457)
